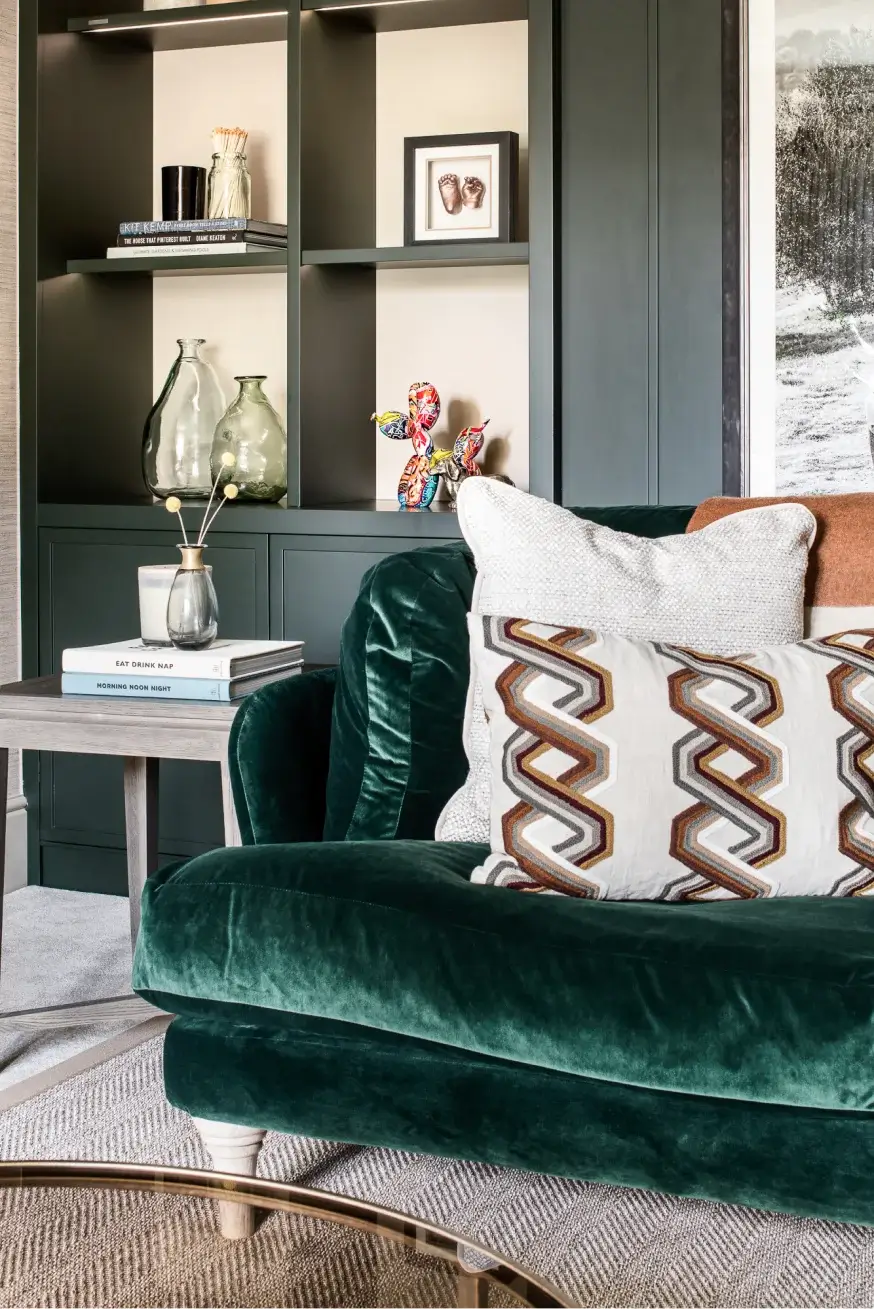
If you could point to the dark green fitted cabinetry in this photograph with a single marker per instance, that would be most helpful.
(623, 239)
(315, 584)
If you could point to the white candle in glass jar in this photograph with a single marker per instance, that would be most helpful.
(155, 583)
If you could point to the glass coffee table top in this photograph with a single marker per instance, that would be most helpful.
(81, 1234)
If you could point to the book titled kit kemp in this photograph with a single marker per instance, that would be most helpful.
(159, 227)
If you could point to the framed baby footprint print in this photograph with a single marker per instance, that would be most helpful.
(461, 188)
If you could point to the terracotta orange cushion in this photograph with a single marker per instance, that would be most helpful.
(840, 575)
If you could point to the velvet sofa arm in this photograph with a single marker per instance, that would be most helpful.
(278, 754)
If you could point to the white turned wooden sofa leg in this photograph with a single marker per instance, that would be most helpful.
(232, 1150)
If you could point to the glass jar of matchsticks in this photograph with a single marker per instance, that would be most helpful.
(229, 190)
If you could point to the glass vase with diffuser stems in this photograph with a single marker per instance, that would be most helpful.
(178, 437)
(192, 607)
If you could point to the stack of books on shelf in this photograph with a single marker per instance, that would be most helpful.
(199, 236)
(225, 672)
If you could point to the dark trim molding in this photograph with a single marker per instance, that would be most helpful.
(733, 245)
(544, 220)
(28, 326)
(653, 253)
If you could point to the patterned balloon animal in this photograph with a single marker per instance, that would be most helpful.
(420, 478)
(457, 464)
(418, 485)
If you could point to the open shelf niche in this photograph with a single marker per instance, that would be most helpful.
(109, 330)
(242, 317)
(456, 315)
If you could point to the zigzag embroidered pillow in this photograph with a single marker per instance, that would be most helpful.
(633, 770)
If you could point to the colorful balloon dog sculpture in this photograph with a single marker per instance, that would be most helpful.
(421, 477)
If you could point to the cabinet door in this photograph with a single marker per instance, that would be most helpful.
(89, 595)
(641, 250)
(315, 581)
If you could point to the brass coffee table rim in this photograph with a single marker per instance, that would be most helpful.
(261, 1193)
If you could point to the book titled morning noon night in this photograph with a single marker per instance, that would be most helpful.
(170, 688)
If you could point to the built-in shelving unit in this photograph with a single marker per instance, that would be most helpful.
(342, 321)
(346, 127)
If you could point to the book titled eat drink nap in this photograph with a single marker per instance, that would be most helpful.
(223, 661)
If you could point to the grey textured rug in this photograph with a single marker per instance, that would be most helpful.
(602, 1245)
(59, 947)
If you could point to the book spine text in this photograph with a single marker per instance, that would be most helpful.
(160, 665)
(184, 225)
(146, 688)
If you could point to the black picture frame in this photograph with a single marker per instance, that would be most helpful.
(508, 182)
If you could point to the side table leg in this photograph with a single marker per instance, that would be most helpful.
(232, 827)
(4, 777)
(141, 826)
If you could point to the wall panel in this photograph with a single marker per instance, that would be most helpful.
(641, 280)
(690, 250)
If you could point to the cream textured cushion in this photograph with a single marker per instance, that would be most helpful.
(738, 584)
(632, 770)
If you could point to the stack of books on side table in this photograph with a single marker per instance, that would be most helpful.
(225, 672)
(198, 236)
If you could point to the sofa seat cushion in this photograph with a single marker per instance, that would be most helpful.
(765, 1000)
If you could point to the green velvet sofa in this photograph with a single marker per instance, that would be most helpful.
(339, 976)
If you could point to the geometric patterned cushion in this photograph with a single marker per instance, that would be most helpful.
(632, 770)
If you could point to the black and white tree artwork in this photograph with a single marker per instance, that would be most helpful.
(825, 246)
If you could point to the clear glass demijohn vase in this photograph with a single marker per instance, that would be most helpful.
(252, 432)
(178, 437)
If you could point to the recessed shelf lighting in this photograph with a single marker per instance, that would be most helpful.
(101, 25)
(368, 4)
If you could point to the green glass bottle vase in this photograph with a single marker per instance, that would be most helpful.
(252, 432)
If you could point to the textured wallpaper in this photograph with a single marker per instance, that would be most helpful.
(9, 607)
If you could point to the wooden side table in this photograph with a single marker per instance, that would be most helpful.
(34, 715)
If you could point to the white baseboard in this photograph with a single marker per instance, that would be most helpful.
(16, 844)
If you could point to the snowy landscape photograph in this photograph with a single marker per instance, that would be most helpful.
(824, 326)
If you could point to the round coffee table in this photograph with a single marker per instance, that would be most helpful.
(92, 1234)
